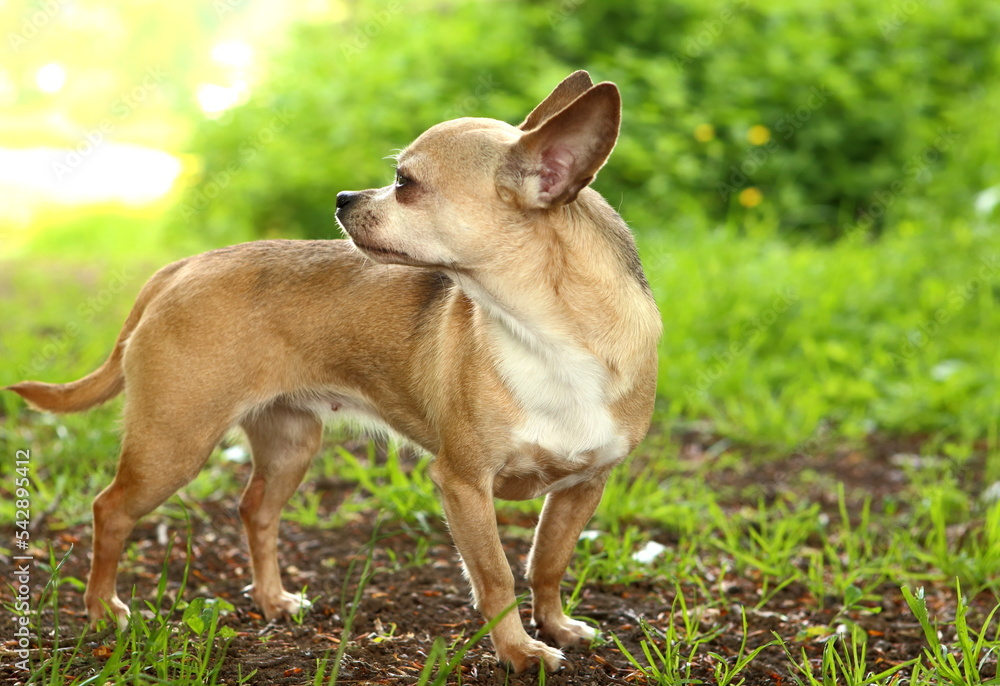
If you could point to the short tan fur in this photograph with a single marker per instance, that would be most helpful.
(488, 305)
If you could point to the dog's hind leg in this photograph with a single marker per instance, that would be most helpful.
(283, 440)
(157, 458)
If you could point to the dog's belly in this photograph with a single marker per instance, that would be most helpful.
(344, 407)
(530, 471)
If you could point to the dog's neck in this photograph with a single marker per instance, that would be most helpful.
(566, 294)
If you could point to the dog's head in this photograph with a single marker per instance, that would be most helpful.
(464, 184)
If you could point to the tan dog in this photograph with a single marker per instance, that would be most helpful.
(489, 307)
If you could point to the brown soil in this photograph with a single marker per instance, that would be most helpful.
(404, 608)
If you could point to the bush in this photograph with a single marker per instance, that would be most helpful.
(817, 118)
(835, 111)
(342, 98)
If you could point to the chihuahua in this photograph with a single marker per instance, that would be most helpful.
(488, 306)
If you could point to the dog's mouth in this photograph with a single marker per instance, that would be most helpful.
(380, 252)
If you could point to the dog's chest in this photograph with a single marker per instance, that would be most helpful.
(561, 391)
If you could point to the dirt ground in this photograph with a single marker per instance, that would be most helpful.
(405, 608)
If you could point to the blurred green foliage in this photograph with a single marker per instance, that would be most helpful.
(837, 115)
(771, 342)
(849, 120)
(345, 96)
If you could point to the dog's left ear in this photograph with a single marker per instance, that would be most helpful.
(555, 161)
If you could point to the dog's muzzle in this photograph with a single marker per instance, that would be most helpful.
(344, 201)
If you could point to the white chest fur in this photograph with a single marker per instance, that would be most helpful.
(562, 391)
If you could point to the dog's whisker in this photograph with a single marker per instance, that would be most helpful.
(458, 316)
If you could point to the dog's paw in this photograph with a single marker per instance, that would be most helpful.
(527, 655)
(565, 632)
(107, 608)
(283, 604)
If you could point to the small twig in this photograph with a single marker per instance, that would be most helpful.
(272, 662)
(36, 522)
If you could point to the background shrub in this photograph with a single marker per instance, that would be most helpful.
(823, 118)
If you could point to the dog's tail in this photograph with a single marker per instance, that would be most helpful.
(98, 387)
(101, 385)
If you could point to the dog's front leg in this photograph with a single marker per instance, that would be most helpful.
(468, 507)
(563, 517)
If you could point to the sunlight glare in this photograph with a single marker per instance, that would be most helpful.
(215, 99)
(50, 78)
(233, 54)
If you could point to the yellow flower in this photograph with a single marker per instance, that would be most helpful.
(703, 133)
(751, 197)
(758, 135)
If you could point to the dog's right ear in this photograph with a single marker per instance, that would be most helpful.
(571, 88)
(551, 164)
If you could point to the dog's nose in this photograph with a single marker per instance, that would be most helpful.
(345, 199)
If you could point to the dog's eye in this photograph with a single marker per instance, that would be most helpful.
(402, 180)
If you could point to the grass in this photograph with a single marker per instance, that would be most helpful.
(843, 662)
(153, 649)
(774, 349)
(769, 341)
(958, 664)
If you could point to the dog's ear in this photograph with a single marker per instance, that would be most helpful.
(572, 87)
(554, 162)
